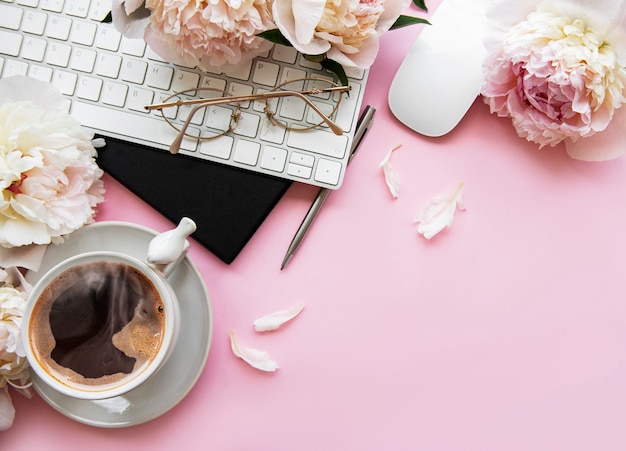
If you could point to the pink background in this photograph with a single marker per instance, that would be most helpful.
(505, 332)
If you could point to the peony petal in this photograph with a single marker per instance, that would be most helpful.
(439, 213)
(256, 358)
(602, 146)
(307, 14)
(391, 177)
(274, 320)
(7, 411)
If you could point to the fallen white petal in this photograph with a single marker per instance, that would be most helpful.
(254, 357)
(439, 213)
(391, 177)
(274, 320)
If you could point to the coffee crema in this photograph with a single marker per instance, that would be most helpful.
(97, 324)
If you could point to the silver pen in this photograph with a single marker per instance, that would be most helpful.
(363, 125)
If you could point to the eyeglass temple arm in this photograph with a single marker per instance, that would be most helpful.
(175, 146)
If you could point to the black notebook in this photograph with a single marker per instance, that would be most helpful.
(227, 204)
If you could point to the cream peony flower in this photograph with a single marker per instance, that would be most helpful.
(557, 68)
(48, 175)
(14, 369)
(196, 33)
(345, 31)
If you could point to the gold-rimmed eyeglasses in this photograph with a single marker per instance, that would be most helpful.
(295, 93)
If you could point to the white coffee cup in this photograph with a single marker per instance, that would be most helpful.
(99, 324)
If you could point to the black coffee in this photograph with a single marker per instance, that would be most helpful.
(97, 323)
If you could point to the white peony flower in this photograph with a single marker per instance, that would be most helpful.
(347, 31)
(14, 369)
(48, 174)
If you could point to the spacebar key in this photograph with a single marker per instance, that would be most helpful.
(127, 125)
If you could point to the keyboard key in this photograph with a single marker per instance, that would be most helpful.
(10, 43)
(242, 72)
(134, 71)
(355, 72)
(108, 38)
(34, 49)
(89, 88)
(12, 67)
(273, 158)
(219, 147)
(302, 159)
(10, 17)
(151, 54)
(59, 28)
(285, 54)
(114, 93)
(40, 73)
(52, 5)
(65, 82)
(133, 47)
(328, 171)
(319, 141)
(265, 73)
(99, 9)
(185, 80)
(31, 3)
(218, 118)
(213, 83)
(292, 108)
(77, 8)
(83, 60)
(291, 73)
(159, 77)
(247, 152)
(271, 132)
(58, 54)
(83, 33)
(109, 65)
(247, 125)
(34, 22)
(239, 89)
(186, 110)
(138, 98)
(299, 171)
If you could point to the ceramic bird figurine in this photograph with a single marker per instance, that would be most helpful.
(171, 246)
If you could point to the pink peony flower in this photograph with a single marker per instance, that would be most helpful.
(194, 33)
(49, 179)
(558, 73)
(346, 31)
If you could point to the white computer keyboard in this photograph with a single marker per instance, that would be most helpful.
(109, 79)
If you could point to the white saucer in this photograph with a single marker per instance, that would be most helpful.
(174, 380)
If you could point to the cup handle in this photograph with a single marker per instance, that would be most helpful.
(169, 248)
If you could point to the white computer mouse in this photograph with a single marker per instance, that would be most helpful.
(442, 75)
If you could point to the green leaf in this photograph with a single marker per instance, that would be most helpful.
(421, 4)
(405, 21)
(275, 36)
(337, 69)
(108, 18)
(315, 58)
